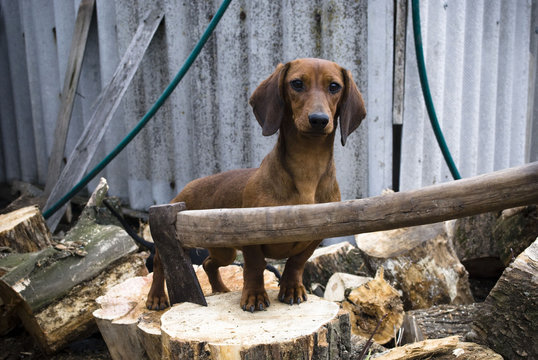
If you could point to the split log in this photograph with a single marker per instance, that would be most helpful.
(341, 284)
(438, 322)
(440, 349)
(508, 321)
(315, 329)
(21, 231)
(342, 257)
(54, 289)
(420, 262)
(375, 303)
(133, 332)
(24, 230)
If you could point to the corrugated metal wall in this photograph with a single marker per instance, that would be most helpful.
(207, 125)
(478, 63)
(477, 58)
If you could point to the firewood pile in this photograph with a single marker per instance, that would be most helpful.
(401, 294)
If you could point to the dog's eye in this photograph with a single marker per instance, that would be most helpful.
(297, 85)
(334, 88)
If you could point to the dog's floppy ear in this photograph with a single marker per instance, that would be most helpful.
(267, 101)
(351, 109)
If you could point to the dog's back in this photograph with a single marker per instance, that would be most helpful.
(222, 190)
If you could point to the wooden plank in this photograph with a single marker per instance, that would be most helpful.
(105, 108)
(271, 225)
(181, 281)
(72, 75)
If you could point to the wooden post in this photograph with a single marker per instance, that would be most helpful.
(181, 281)
(106, 106)
(72, 75)
(273, 225)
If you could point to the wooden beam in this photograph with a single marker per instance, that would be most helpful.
(272, 225)
(72, 75)
(106, 106)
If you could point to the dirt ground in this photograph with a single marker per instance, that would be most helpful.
(19, 345)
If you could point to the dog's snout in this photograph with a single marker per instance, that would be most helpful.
(318, 120)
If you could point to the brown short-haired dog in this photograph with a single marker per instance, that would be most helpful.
(303, 99)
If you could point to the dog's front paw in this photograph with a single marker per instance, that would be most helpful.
(157, 302)
(254, 300)
(292, 293)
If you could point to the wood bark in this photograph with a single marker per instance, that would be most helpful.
(342, 257)
(438, 322)
(315, 329)
(419, 261)
(375, 304)
(53, 290)
(24, 230)
(508, 321)
(441, 349)
(281, 224)
(487, 243)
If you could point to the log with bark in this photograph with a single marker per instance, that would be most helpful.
(375, 305)
(487, 243)
(21, 231)
(438, 322)
(419, 261)
(315, 329)
(508, 320)
(53, 290)
(338, 258)
(440, 349)
(24, 230)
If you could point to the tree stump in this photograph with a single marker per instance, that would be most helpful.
(24, 230)
(315, 329)
(133, 332)
(508, 321)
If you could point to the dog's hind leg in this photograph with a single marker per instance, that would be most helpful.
(218, 257)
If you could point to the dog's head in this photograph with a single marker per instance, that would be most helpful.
(314, 93)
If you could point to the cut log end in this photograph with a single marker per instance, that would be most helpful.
(314, 329)
(24, 230)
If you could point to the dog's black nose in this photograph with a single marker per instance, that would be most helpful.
(318, 120)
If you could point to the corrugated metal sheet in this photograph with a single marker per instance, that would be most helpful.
(477, 58)
(207, 125)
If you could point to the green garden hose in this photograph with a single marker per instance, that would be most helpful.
(427, 94)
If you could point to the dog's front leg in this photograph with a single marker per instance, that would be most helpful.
(157, 299)
(292, 289)
(254, 296)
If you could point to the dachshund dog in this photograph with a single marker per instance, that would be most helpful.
(305, 99)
